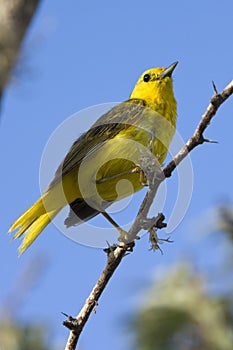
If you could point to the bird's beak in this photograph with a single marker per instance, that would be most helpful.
(169, 70)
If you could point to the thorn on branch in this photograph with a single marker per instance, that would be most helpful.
(71, 323)
(209, 141)
(214, 87)
(110, 248)
(200, 139)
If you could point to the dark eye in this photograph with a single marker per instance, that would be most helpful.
(146, 78)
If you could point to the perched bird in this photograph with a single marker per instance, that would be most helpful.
(108, 152)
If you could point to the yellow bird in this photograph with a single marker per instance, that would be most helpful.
(108, 152)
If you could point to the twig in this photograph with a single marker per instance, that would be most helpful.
(197, 138)
(115, 255)
(155, 176)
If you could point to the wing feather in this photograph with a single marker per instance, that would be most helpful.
(106, 127)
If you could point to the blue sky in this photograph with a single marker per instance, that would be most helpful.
(80, 54)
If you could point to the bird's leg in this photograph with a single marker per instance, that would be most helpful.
(115, 224)
(123, 233)
(142, 175)
(137, 169)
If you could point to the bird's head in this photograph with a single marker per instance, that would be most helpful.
(155, 84)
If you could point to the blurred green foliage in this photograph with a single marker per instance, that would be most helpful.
(179, 312)
(18, 337)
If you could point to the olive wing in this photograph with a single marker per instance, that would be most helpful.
(106, 127)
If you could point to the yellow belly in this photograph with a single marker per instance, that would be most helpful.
(104, 174)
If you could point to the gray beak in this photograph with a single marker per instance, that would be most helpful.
(169, 70)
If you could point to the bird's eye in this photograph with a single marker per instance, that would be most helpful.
(146, 78)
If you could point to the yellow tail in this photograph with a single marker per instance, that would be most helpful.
(32, 222)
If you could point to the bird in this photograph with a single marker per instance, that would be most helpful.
(87, 178)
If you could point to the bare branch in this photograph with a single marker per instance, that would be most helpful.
(115, 255)
(155, 176)
(198, 138)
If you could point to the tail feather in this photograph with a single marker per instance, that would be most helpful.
(33, 231)
(31, 223)
(27, 218)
